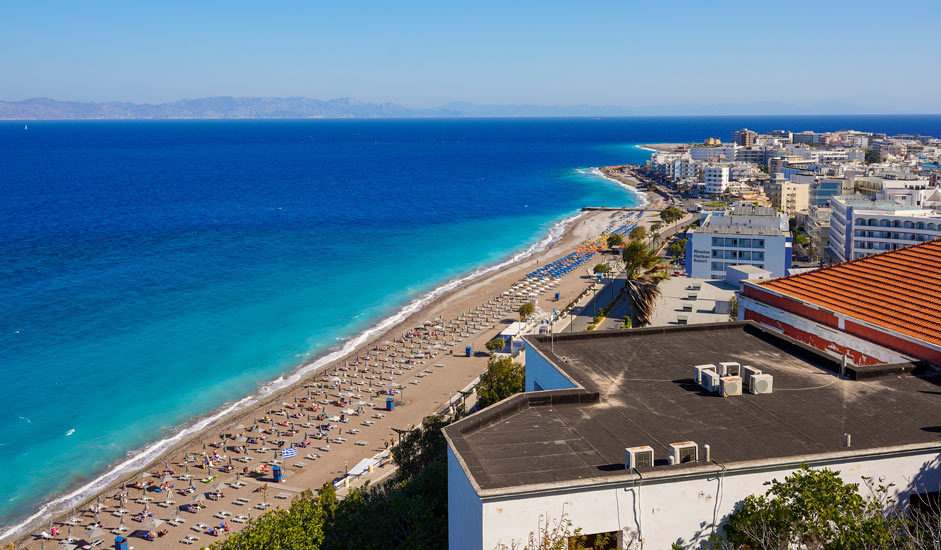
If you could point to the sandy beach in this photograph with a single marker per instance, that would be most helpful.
(662, 147)
(428, 366)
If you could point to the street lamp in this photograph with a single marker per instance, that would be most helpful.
(346, 466)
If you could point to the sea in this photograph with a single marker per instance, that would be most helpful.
(156, 274)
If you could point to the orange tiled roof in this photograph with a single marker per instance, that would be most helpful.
(899, 290)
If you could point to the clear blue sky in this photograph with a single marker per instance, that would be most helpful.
(875, 54)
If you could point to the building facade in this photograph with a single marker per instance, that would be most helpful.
(860, 227)
(745, 235)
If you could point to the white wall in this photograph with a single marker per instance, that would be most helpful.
(465, 527)
(687, 510)
(539, 371)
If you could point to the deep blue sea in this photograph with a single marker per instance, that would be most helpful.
(153, 272)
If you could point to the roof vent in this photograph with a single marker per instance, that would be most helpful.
(638, 457)
(760, 383)
(697, 371)
(687, 451)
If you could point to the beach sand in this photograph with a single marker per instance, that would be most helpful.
(663, 147)
(429, 389)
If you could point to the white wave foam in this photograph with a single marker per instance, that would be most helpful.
(642, 197)
(139, 459)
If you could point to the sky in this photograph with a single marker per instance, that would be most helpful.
(874, 56)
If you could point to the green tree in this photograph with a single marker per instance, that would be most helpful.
(639, 233)
(615, 240)
(496, 345)
(526, 310)
(677, 248)
(602, 268)
(811, 509)
(671, 214)
(801, 239)
(873, 156)
(300, 527)
(643, 271)
(733, 309)
(656, 226)
(420, 447)
(503, 378)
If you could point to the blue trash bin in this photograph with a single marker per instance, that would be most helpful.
(467, 351)
(390, 404)
(276, 473)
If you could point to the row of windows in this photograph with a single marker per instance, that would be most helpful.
(719, 266)
(896, 223)
(738, 242)
(887, 235)
(738, 255)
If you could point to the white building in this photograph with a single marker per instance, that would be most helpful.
(860, 226)
(723, 153)
(715, 178)
(561, 448)
(745, 235)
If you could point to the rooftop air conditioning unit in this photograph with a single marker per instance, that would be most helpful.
(710, 381)
(729, 368)
(747, 372)
(697, 374)
(686, 451)
(638, 457)
(760, 383)
(731, 385)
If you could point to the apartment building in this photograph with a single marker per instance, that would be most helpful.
(788, 196)
(744, 235)
(860, 226)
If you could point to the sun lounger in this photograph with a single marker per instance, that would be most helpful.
(240, 519)
(199, 527)
(283, 496)
(299, 464)
(312, 456)
(362, 443)
(262, 505)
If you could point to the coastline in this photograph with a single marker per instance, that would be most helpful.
(563, 234)
(661, 147)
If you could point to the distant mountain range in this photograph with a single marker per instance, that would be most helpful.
(302, 107)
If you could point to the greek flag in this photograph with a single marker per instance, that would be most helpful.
(290, 452)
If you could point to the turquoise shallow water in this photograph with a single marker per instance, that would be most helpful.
(154, 272)
(157, 271)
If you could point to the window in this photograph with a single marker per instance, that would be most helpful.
(758, 243)
(718, 241)
(718, 266)
(744, 243)
(759, 256)
(745, 255)
(731, 242)
(717, 253)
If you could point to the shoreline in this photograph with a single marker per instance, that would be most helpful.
(198, 429)
(661, 147)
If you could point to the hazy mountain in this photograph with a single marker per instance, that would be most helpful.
(302, 107)
(209, 108)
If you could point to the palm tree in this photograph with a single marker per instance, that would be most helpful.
(643, 270)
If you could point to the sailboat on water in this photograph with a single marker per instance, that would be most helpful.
(26, 126)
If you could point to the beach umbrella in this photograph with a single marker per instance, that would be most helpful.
(154, 523)
(238, 427)
(69, 535)
(42, 544)
(95, 533)
(186, 466)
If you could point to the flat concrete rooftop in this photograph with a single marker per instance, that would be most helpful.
(637, 388)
